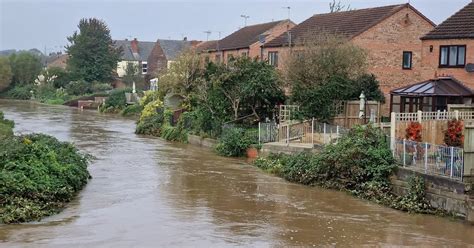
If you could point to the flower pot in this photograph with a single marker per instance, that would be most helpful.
(252, 152)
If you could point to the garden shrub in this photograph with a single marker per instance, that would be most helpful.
(151, 119)
(78, 88)
(22, 92)
(39, 176)
(413, 132)
(116, 101)
(98, 87)
(233, 143)
(360, 163)
(132, 110)
(6, 127)
(453, 136)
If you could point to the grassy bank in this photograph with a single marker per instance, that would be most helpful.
(39, 175)
(359, 163)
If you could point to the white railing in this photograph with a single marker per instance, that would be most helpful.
(440, 115)
(430, 159)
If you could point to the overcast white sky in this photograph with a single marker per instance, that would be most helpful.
(41, 24)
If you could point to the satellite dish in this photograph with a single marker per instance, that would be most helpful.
(470, 67)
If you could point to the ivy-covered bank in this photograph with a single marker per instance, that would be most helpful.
(359, 163)
(39, 174)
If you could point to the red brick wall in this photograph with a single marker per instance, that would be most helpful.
(430, 61)
(157, 61)
(385, 44)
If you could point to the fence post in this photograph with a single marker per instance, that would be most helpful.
(426, 157)
(452, 161)
(259, 133)
(419, 116)
(337, 131)
(456, 114)
(288, 134)
(324, 131)
(312, 131)
(393, 120)
(404, 153)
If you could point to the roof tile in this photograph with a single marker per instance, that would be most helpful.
(458, 26)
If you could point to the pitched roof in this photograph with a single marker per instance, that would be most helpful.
(346, 23)
(144, 50)
(458, 26)
(246, 36)
(443, 86)
(206, 46)
(172, 48)
(58, 60)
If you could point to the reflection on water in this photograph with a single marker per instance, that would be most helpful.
(146, 192)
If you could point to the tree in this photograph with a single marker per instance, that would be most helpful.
(25, 67)
(92, 53)
(183, 76)
(338, 6)
(251, 87)
(5, 73)
(132, 74)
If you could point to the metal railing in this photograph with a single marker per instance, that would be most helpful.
(302, 132)
(431, 159)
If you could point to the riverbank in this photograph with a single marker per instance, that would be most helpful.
(192, 197)
(40, 175)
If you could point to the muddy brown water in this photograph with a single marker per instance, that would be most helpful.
(146, 192)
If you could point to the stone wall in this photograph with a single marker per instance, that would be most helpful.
(443, 193)
(199, 141)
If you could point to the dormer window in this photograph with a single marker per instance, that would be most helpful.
(452, 56)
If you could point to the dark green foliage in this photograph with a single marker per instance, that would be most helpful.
(233, 142)
(25, 67)
(132, 110)
(319, 101)
(92, 54)
(5, 73)
(98, 87)
(171, 133)
(63, 77)
(360, 163)
(22, 92)
(6, 127)
(78, 88)
(116, 100)
(39, 176)
(150, 125)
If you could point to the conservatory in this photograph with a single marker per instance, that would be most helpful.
(430, 96)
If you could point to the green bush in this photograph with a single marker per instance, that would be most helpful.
(360, 162)
(132, 110)
(171, 133)
(233, 143)
(98, 87)
(39, 176)
(6, 127)
(116, 100)
(20, 92)
(78, 88)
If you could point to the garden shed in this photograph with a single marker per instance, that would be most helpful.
(430, 95)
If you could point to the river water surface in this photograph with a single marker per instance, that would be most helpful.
(146, 192)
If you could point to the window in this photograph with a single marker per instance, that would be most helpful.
(218, 58)
(144, 67)
(452, 56)
(230, 58)
(273, 58)
(244, 54)
(407, 60)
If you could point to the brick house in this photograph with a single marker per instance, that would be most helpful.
(389, 34)
(247, 41)
(163, 54)
(449, 48)
(135, 52)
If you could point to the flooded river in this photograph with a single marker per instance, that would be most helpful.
(146, 192)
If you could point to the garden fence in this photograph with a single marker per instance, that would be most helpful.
(431, 159)
(302, 132)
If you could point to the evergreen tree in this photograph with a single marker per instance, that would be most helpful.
(93, 55)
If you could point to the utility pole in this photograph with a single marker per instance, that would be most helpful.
(245, 19)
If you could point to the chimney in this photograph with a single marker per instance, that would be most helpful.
(134, 45)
